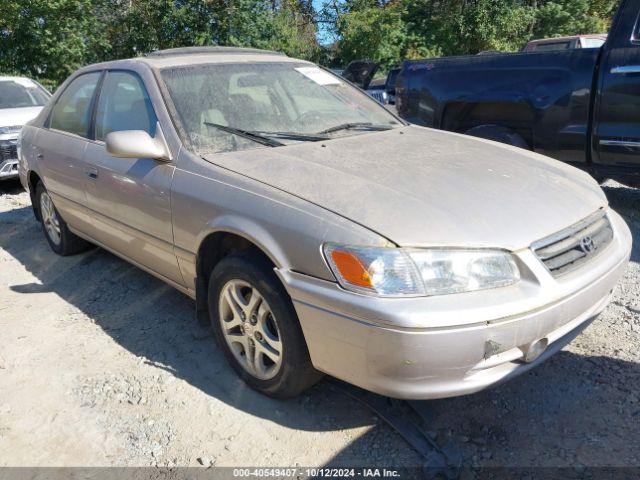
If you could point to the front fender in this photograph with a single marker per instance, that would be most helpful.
(250, 230)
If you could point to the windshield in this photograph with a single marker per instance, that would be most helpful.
(22, 92)
(227, 107)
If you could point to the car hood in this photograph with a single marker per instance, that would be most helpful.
(10, 117)
(422, 187)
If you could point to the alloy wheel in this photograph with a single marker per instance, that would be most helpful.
(50, 218)
(250, 329)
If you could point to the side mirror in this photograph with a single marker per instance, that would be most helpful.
(136, 144)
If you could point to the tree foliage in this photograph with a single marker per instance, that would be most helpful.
(393, 30)
(48, 39)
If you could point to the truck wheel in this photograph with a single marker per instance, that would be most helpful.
(61, 240)
(257, 327)
(498, 134)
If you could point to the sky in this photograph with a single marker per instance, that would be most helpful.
(324, 37)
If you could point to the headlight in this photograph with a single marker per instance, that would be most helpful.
(11, 129)
(395, 272)
(19, 146)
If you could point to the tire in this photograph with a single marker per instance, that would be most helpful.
(61, 240)
(245, 274)
(498, 134)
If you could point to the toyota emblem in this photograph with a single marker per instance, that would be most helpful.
(587, 245)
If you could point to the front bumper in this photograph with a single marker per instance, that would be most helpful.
(8, 157)
(435, 347)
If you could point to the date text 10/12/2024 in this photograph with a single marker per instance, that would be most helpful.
(316, 472)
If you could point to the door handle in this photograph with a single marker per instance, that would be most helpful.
(625, 69)
(619, 143)
(92, 173)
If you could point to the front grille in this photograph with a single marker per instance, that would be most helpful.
(8, 152)
(576, 245)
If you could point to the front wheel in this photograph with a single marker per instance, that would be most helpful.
(256, 326)
(61, 240)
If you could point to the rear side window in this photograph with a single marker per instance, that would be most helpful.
(124, 104)
(550, 47)
(592, 42)
(72, 112)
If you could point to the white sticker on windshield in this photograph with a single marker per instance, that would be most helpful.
(318, 75)
(25, 82)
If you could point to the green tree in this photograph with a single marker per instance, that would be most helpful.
(389, 31)
(293, 31)
(460, 27)
(146, 25)
(50, 38)
(570, 17)
(371, 31)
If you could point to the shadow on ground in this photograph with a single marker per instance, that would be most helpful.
(10, 187)
(573, 410)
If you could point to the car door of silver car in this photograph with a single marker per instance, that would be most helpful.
(131, 197)
(61, 145)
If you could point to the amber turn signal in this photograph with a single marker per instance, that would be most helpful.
(351, 268)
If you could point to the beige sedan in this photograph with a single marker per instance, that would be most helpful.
(316, 231)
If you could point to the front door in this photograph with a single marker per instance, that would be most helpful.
(61, 146)
(131, 197)
(616, 135)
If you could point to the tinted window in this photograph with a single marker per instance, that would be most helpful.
(21, 92)
(124, 105)
(72, 112)
(391, 80)
(548, 47)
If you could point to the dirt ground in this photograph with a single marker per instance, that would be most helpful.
(101, 365)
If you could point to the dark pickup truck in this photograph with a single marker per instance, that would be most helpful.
(581, 106)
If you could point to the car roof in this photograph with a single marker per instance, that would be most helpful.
(5, 78)
(176, 57)
(211, 50)
(568, 38)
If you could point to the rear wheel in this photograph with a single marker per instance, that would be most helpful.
(256, 326)
(61, 240)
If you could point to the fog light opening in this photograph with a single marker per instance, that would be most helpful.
(535, 349)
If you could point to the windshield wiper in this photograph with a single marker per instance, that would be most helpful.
(304, 137)
(357, 126)
(256, 137)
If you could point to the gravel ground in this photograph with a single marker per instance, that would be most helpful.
(101, 364)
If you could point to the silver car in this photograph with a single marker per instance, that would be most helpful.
(316, 231)
(21, 99)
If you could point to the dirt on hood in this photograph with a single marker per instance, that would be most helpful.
(422, 187)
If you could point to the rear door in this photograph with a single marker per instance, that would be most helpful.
(131, 197)
(616, 134)
(60, 149)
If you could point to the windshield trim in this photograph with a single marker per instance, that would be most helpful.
(184, 136)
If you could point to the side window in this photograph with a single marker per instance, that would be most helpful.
(124, 104)
(72, 111)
